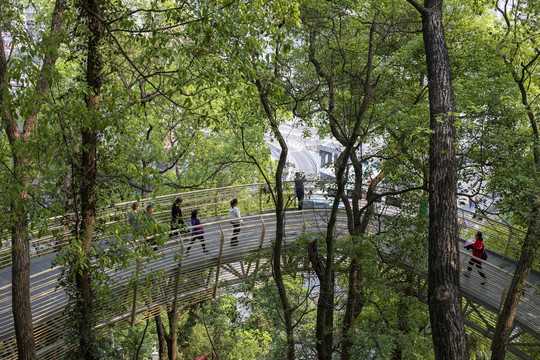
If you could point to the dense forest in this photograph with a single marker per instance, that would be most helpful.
(435, 103)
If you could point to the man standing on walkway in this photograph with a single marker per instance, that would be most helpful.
(299, 187)
(236, 221)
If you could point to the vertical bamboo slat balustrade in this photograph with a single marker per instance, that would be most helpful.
(193, 292)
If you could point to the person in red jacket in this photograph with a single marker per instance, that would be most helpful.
(477, 249)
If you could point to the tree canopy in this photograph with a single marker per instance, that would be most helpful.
(104, 102)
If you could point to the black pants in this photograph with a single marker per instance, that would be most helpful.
(201, 239)
(300, 197)
(478, 264)
(235, 232)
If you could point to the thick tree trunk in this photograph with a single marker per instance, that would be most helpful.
(444, 295)
(88, 186)
(22, 314)
(88, 207)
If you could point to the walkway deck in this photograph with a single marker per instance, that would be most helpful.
(201, 275)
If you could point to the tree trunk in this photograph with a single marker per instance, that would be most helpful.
(172, 314)
(355, 303)
(444, 295)
(530, 247)
(88, 209)
(280, 223)
(325, 273)
(355, 295)
(22, 313)
(505, 320)
(88, 173)
(325, 305)
(162, 338)
(141, 342)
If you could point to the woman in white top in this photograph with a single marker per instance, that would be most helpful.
(236, 221)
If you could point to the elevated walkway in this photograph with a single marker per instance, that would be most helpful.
(199, 276)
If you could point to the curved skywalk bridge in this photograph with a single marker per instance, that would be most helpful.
(198, 276)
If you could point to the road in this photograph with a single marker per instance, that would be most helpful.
(303, 154)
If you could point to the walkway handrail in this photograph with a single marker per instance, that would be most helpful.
(199, 277)
(499, 237)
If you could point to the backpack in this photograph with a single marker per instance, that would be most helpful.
(484, 254)
(197, 230)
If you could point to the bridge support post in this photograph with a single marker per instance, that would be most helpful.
(220, 258)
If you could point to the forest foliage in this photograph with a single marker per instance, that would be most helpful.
(185, 93)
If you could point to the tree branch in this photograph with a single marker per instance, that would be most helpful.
(422, 10)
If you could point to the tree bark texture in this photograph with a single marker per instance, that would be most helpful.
(444, 295)
(22, 313)
(88, 174)
(88, 209)
(325, 304)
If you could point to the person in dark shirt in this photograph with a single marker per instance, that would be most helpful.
(177, 222)
(133, 219)
(150, 226)
(299, 188)
(196, 232)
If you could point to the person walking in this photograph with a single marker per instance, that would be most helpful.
(236, 221)
(299, 188)
(196, 232)
(133, 220)
(150, 227)
(477, 249)
(177, 220)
